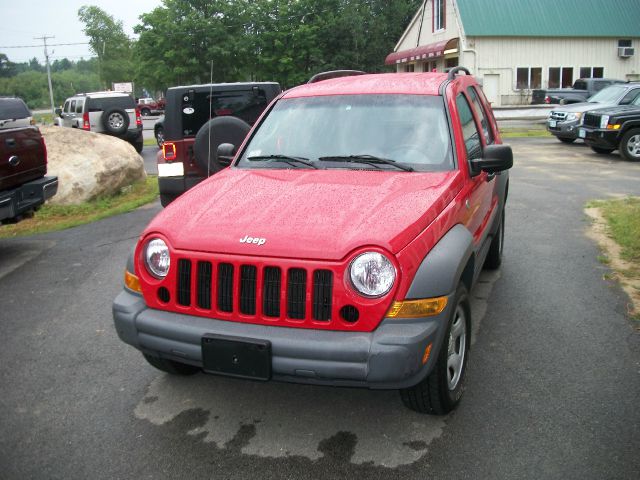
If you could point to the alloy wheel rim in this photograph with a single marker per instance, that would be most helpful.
(633, 146)
(457, 348)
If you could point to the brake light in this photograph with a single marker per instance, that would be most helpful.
(169, 151)
(85, 121)
(138, 118)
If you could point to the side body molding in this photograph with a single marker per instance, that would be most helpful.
(443, 267)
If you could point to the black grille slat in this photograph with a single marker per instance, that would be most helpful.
(204, 285)
(184, 282)
(225, 287)
(271, 292)
(248, 286)
(296, 293)
(322, 290)
(591, 120)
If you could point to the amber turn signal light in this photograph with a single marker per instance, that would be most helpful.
(426, 307)
(132, 282)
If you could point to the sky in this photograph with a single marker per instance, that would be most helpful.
(22, 20)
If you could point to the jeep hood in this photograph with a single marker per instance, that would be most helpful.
(306, 214)
(581, 107)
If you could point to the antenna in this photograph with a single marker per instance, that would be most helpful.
(209, 132)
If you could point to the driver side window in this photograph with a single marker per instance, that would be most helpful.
(470, 131)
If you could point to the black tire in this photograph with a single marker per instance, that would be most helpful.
(115, 121)
(494, 257)
(159, 134)
(145, 112)
(213, 133)
(566, 139)
(169, 366)
(602, 151)
(434, 394)
(630, 145)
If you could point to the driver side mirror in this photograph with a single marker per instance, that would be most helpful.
(495, 158)
(225, 153)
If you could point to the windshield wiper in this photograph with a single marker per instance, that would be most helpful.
(293, 161)
(370, 159)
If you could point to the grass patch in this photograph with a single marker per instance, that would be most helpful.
(51, 218)
(150, 142)
(514, 133)
(43, 118)
(623, 217)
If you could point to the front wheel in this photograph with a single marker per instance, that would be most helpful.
(602, 151)
(630, 145)
(169, 366)
(442, 390)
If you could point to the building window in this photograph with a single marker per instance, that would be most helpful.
(560, 77)
(439, 12)
(624, 43)
(528, 78)
(591, 72)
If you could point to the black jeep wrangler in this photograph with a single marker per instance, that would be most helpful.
(199, 118)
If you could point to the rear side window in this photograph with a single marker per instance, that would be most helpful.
(79, 105)
(244, 104)
(13, 108)
(105, 103)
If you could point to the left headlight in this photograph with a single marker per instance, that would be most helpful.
(157, 258)
(372, 274)
(573, 116)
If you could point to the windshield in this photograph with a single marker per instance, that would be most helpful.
(610, 94)
(372, 132)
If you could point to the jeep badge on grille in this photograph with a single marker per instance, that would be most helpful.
(256, 241)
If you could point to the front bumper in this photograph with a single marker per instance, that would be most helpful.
(563, 129)
(390, 357)
(601, 138)
(27, 197)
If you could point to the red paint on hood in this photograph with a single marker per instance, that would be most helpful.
(305, 214)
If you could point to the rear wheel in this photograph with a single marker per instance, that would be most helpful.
(630, 145)
(169, 366)
(159, 136)
(602, 151)
(145, 112)
(566, 139)
(442, 390)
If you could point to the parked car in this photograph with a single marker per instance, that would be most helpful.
(24, 184)
(149, 106)
(563, 121)
(614, 128)
(158, 131)
(338, 249)
(582, 89)
(197, 119)
(111, 113)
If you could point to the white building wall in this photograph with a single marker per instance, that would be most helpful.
(502, 56)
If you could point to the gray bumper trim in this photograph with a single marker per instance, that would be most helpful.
(389, 357)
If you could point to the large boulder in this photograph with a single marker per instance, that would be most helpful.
(89, 165)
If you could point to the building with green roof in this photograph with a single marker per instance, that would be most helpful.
(516, 46)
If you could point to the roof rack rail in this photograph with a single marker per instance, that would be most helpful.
(454, 71)
(318, 77)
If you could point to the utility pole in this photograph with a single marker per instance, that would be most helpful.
(46, 56)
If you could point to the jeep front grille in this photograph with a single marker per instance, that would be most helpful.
(591, 120)
(259, 291)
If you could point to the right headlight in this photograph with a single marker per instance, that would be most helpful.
(372, 274)
(157, 258)
(573, 116)
(604, 121)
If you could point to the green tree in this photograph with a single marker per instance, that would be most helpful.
(7, 68)
(109, 42)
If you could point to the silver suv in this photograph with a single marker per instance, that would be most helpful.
(112, 113)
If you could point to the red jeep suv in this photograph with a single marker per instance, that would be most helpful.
(338, 248)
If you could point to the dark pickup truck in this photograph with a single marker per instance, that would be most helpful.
(24, 186)
(582, 89)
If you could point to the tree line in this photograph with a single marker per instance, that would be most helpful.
(194, 41)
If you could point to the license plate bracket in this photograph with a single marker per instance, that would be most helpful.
(236, 356)
(582, 133)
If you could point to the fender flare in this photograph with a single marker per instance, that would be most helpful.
(441, 270)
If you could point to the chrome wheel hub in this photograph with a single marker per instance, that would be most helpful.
(457, 348)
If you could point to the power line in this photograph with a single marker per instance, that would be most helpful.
(51, 44)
